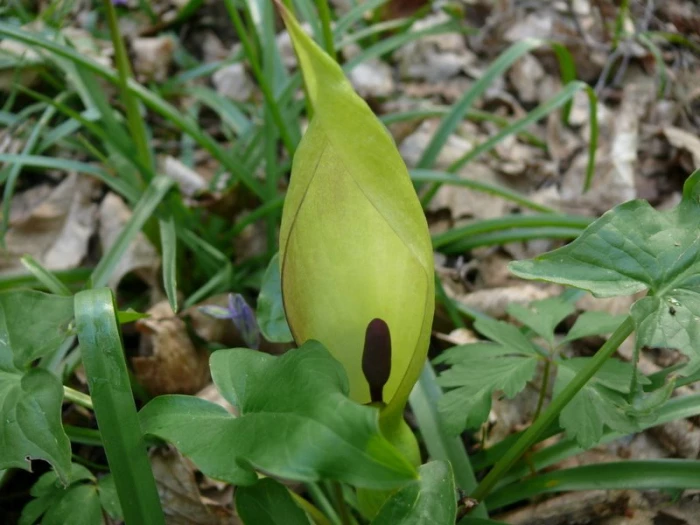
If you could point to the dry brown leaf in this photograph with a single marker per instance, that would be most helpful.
(433, 58)
(679, 138)
(232, 81)
(372, 79)
(459, 336)
(526, 75)
(152, 57)
(188, 180)
(463, 202)
(495, 301)
(179, 494)
(169, 362)
(53, 225)
(414, 145)
(140, 257)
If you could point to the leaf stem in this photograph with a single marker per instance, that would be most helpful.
(324, 14)
(543, 388)
(268, 95)
(76, 397)
(343, 511)
(133, 115)
(552, 411)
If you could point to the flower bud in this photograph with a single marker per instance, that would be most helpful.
(356, 255)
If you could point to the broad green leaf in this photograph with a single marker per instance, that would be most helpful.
(473, 381)
(593, 323)
(270, 311)
(432, 499)
(78, 503)
(268, 503)
(479, 369)
(672, 321)
(597, 405)
(506, 334)
(283, 401)
(630, 249)
(543, 316)
(109, 499)
(354, 242)
(32, 324)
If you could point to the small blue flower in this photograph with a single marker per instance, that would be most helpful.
(240, 314)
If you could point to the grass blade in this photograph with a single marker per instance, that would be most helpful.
(44, 276)
(10, 180)
(116, 183)
(154, 194)
(459, 110)
(497, 68)
(424, 399)
(546, 220)
(676, 408)
(355, 15)
(168, 240)
(513, 235)
(396, 41)
(541, 111)
(440, 177)
(115, 410)
(148, 97)
(618, 475)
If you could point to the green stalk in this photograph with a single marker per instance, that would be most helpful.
(268, 95)
(115, 410)
(529, 437)
(343, 511)
(133, 115)
(76, 397)
(543, 389)
(324, 14)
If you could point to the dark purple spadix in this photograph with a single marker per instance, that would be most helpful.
(376, 358)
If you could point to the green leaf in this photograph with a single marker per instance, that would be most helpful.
(542, 316)
(31, 416)
(168, 240)
(598, 404)
(474, 381)
(109, 499)
(268, 503)
(506, 334)
(630, 249)
(77, 503)
(282, 401)
(431, 499)
(80, 505)
(593, 323)
(270, 310)
(482, 368)
(32, 324)
(671, 321)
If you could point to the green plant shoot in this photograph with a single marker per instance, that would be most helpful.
(356, 256)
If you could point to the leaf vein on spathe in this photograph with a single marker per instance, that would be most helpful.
(294, 221)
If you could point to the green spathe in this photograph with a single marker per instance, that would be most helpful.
(354, 243)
